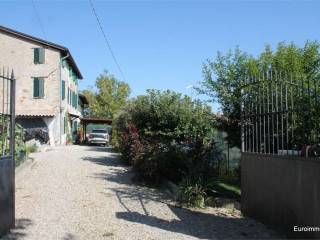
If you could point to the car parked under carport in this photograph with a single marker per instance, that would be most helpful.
(99, 136)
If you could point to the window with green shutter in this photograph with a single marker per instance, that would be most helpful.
(39, 55)
(63, 89)
(64, 63)
(74, 77)
(72, 99)
(38, 87)
(76, 100)
(68, 95)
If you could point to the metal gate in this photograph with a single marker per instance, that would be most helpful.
(280, 114)
(280, 161)
(7, 150)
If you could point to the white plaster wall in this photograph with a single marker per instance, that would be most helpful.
(69, 84)
(51, 124)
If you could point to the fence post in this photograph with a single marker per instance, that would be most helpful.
(12, 135)
(242, 122)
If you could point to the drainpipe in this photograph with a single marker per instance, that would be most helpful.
(60, 100)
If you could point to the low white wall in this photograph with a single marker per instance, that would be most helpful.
(54, 129)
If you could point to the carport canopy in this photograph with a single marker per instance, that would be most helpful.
(88, 120)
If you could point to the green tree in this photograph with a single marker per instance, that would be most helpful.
(110, 96)
(222, 79)
(224, 75)
(91, 96)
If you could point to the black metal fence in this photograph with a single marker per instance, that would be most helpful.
(7, 117)
(7, 150)
(280, 114)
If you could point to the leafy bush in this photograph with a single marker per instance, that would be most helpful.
(192, 193)
(20, 147)
(166, 135)
(32, 149)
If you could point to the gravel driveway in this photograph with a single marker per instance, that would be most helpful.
(81, 192)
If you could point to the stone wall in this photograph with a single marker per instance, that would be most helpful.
(18, 54)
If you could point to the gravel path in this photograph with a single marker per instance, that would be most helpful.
(80, 192)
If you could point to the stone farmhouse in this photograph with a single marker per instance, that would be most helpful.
(47, 89)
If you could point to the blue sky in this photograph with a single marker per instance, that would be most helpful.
(162, 44)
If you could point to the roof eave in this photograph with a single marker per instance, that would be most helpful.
(46, 43)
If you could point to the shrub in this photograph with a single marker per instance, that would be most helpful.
(20, 147)
(192, 193)
(166, 135)
(32, 149)
(146, 161)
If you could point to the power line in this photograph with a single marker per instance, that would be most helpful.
(106, 40)
(39, 20)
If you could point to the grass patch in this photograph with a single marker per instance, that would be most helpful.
(224, 189)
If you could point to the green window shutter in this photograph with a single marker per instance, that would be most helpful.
(63, 89)
(72, 99)
(41, 87)
(36, 55)
(74, 78)
(39, 55)
(74, 102)
(36, 87)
